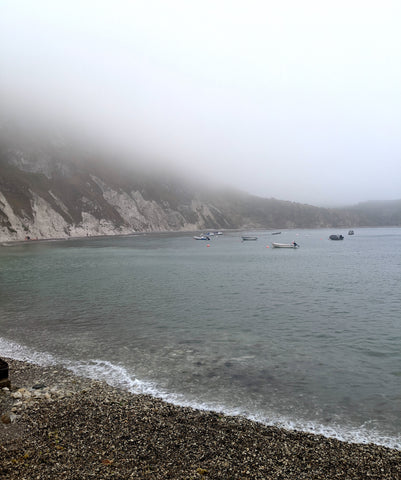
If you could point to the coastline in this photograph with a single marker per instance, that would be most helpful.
(269, 230)
(57, 425)
(156, 233)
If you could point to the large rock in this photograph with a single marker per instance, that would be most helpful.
(4, 381)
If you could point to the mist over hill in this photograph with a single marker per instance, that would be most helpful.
(51, 189)
(380, 213)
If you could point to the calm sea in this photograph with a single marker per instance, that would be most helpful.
(308, 339)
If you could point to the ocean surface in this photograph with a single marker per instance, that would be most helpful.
(307, 339)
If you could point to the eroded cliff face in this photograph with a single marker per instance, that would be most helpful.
(46, 194)
(49, 190)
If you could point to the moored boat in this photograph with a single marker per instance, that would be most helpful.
(336, 237)
(350, 232)
(247, 238)
(285, 245)
(201, 237)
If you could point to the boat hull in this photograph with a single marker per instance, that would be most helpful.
(285, 245)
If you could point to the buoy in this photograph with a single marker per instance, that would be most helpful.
(267, 246)
(208, 245)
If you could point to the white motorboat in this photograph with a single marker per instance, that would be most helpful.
(201, 237)
(285, 245)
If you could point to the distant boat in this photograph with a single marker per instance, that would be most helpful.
(350, 232)
(201, 237)
(276, 233)
(285, 245)
(336, 237)
(247, 239)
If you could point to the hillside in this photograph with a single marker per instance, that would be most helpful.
(51, 190)
(382, 213)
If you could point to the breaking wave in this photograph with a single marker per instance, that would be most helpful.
(120, 377)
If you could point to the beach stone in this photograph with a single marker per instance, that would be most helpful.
(5, 418)
(5, 383)
(103, 433)
(39, 386)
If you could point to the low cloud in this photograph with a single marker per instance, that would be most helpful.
(297, 101)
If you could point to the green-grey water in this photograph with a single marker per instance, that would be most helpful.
(307, 339)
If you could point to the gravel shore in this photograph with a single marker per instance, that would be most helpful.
(55, 425)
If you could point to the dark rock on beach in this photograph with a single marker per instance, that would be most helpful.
(74, 428)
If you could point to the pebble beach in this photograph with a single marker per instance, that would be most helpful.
(57, 425)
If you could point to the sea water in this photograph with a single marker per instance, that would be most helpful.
(308, 339)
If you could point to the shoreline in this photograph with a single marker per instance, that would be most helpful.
(8, 243)
(58, 425)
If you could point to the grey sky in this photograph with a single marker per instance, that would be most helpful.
(298, 100)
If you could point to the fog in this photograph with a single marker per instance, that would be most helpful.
(297, 100)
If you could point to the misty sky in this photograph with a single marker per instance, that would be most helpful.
(298, 100)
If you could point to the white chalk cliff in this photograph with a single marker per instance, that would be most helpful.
(51, 191)
(47, 193)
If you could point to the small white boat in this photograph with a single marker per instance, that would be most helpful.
(201, 237)
(247, 239)
(285, 245)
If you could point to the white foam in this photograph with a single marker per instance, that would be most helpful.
(113, 375)
(351, 434)
(102, 370)
(16, 351)
(119, 376)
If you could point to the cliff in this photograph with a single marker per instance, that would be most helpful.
(51, 190)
